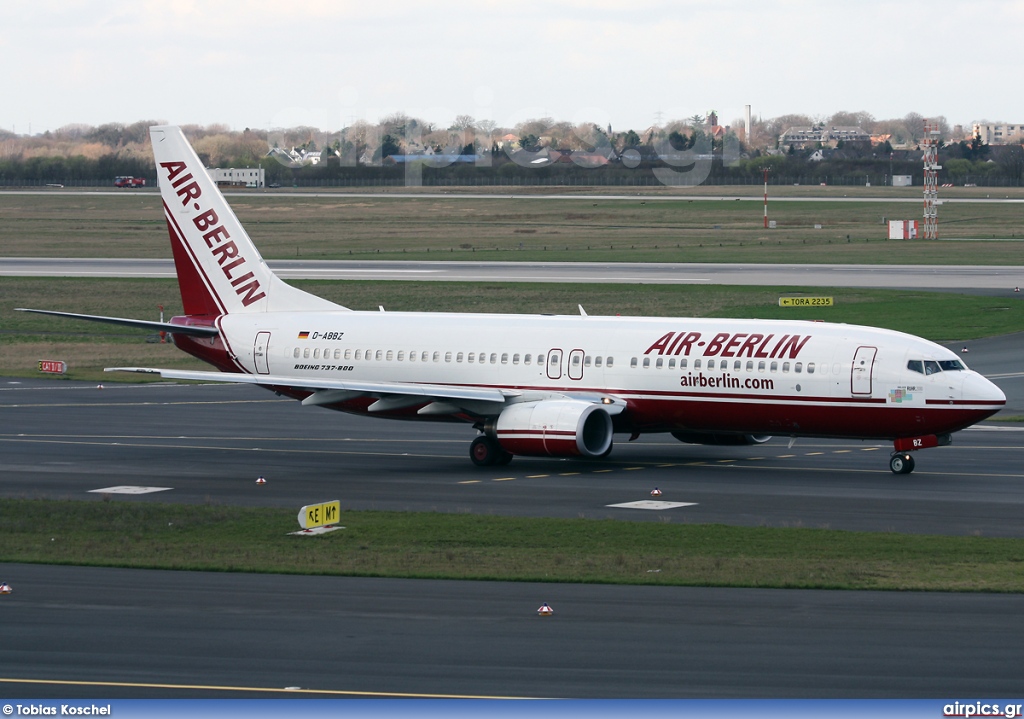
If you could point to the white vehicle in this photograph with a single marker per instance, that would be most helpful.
(534, 385)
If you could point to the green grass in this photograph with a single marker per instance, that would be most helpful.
(127, 533)
(684, 229)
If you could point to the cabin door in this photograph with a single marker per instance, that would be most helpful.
(259, 353)
(860, 373)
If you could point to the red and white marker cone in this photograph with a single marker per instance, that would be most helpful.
(5, 588)
(545, 610)
(655, 492)
(260, 480)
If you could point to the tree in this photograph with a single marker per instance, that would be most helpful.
(1010, 159)
(462, 122)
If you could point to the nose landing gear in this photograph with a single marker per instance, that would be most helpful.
(901, 463)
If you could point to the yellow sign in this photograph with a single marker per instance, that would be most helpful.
(318, 515)
(805, 302)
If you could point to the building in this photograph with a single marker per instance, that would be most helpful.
(999, 134)
(238, 177)
(801, 137)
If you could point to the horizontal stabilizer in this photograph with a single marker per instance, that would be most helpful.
(192, 331)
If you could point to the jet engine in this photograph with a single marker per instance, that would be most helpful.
(555, 428)
(720, 438)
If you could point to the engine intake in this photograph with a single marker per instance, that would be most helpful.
(555, 428)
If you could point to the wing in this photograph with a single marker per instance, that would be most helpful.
(442, 398)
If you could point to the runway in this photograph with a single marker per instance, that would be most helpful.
(178, 634)
(984, 278)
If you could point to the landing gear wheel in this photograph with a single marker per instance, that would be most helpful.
(486, 452)
(901, 463)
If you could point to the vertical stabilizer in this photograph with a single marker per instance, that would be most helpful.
(219, 269)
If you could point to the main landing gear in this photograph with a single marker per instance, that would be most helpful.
(901, 463)
(486, 452)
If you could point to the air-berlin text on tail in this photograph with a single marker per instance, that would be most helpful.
(726, 344)
(216, 236)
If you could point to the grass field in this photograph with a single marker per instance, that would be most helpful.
(26, 338)
(687, 229)
(458, 546)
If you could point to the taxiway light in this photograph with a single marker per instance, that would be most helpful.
(99, 386)
(545, 610)
(655, 492)
(260, 480)
(5, 588)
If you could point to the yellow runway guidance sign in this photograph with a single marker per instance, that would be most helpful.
(318, 515)
(805, 302)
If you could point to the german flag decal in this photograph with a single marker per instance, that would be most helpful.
(303, 335)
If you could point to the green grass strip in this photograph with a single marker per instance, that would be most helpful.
(461, 546)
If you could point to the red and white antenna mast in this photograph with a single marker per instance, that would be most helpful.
(930, 145)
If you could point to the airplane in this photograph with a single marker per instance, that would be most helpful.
(541, 385)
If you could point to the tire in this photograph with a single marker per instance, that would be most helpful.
(485, 451)
(901, 463)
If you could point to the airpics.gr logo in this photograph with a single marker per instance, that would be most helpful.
(896, 396)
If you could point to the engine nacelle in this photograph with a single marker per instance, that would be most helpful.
(720, 438)
(555, 428)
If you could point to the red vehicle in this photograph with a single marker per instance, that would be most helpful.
(129, 181)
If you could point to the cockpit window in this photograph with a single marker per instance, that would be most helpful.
(933, 366)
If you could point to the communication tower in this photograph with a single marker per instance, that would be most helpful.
(930, 145)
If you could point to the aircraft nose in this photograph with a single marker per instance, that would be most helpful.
(982, 390)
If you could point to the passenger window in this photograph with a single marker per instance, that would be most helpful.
(775, 367)
(437, 357)
(586, 361)
(736, 366)
(447, 356)
(608, 362)
(412, 355)
(458, 357)
(672, 363)
(305, 353)
(647, 362)
(526, 359)
(359, 354)
(337, 354)
(390, 355)
(785, 366)
(515, 358)
(348, 354)
(494, 357)
(540, 360)
(659, 363)
(471, 357)
(798, 367)
(380, 355)
(810, 368)
(597, 361)
(915, 366)
(425, 356)
(750, 365)
(711, 364)
(316, 353)
(401, 355)
(696, 364)
(295, 354)
(682, 363)
(760, 366)
(632, 363)
(504, 357)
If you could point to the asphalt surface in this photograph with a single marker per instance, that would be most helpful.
(372, 637)
(983, 278)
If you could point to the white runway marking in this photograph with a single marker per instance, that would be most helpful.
(126, 489)
(652, 504)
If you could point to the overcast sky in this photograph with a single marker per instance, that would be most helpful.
(266, 64)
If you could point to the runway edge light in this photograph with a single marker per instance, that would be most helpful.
(545, 610)
(5, 588)
(261, 480)
(655, 492)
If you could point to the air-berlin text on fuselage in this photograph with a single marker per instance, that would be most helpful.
(216, 236)
(729, 344)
